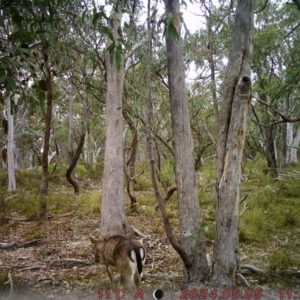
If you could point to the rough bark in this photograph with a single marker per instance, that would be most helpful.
(153, 165)
(269, 148)
(71, 124)
(189, 210)
(46, 146)
(75, 157)
(284, 147)
(113, 219)
(211, 49)
(73, 164)
(130, 164)
(230, 145)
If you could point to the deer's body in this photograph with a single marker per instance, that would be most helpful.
(122, 255)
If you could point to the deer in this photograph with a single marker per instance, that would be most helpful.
(123, 255)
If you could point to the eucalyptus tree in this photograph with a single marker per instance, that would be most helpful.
(230, 146)
(196, 268)
(113, 220)
(276, 68)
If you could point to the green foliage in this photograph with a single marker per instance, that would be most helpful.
(59, 169)
(150, 211)
(208, 224)
(96, 171)
(146, 198)
(255, 226)
(280, 260)
(81, 171)
(166, 175)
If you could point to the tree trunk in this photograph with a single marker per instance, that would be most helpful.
(269, 147)
(284, 148)
(230, 145)
(211, 49)
(71, 125)
(113, 219)
(293, 143)
(189, 210)
(283, 158)
(172, 239)
(22, 151)
(73, 163)
(75, 157)
(48, 119)
(130, 164)
(10, 149)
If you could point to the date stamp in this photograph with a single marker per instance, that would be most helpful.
(204, 293)
(117, 294)
(221, 294)
(289, 294)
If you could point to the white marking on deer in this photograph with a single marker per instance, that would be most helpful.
(133, 264)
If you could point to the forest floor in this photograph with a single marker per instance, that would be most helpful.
(54, 259)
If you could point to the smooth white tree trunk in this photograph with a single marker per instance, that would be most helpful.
(292, 143)
(10, 149)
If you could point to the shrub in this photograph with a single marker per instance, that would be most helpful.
(280, 261)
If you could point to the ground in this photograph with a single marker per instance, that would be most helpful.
(54, 259)
(59, 263)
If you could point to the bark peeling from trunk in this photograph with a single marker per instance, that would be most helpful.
(231, 138)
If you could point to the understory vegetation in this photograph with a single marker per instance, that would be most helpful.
(269, 219)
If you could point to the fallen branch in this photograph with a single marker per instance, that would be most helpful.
(142, 235)
(18, 219)
(65, 215)
(33, 217)
(247, 284)
(16, 245)
(71, 261)
(31, 268)
(252, 268)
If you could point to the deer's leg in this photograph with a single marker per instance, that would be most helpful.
(110, 272)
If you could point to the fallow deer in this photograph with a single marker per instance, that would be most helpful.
(122, 255)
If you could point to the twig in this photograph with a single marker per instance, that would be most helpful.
(243, 209)
(244, 280)
(10, 197)
(11, 285)
(244, 199)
